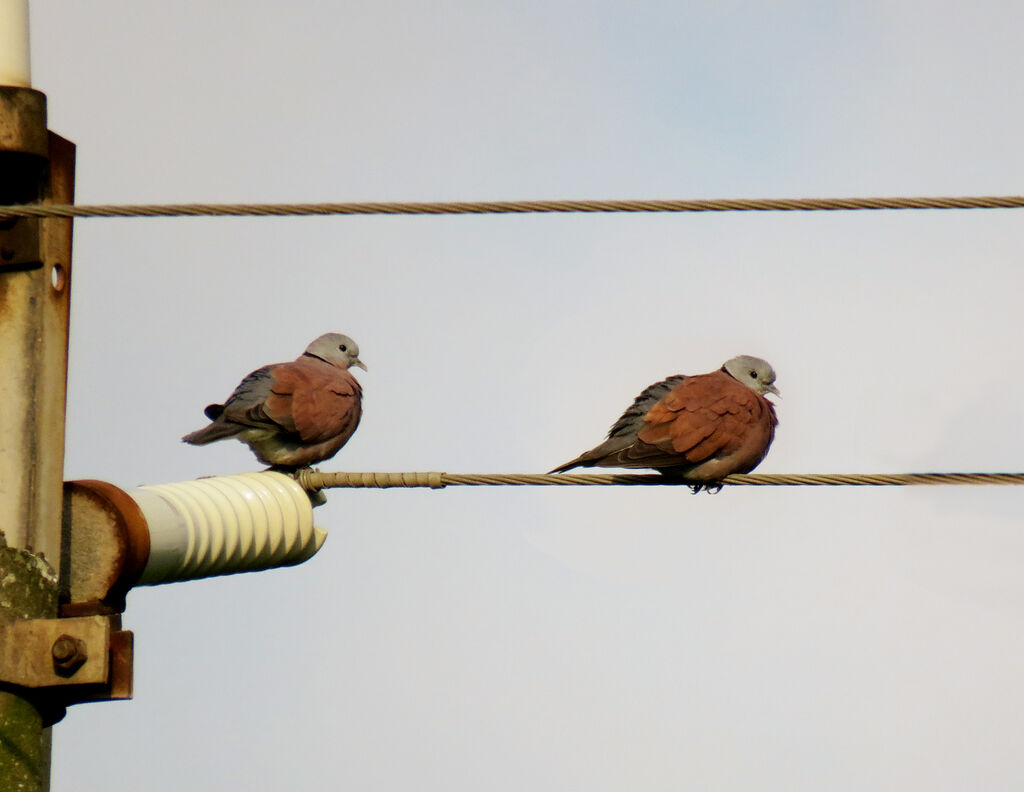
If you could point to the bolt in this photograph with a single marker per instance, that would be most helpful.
(68, 655)
(64, 648)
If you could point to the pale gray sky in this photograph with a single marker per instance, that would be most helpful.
(598, 639)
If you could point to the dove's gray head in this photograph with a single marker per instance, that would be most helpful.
(753, 372)
(337, 349)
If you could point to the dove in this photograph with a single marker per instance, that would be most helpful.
(293, 414)
(697, 429)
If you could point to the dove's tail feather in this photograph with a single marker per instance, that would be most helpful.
(605, 455)
(215, 431)
(577, 462)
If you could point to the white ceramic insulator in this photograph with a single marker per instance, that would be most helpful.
(14, 63)
(226, 524)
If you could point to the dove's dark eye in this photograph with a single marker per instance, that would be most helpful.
(753, 374)
(343, 348)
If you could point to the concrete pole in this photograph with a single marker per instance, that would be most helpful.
(35, 273)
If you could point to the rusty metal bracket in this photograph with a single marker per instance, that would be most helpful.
(29, 650)
(67, 661)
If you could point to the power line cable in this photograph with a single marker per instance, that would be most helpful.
(314, 480)
(509, 207)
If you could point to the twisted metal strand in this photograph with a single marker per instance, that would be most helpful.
(511, 207)
(314, 480)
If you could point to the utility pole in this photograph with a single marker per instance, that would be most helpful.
(35, 275)
(69, 552)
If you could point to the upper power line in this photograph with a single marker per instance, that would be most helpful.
(512, 207)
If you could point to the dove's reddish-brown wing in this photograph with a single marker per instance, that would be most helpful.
(313, 399)
(710, 417)
(701, 428)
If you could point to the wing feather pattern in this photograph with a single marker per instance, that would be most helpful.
(700, 428)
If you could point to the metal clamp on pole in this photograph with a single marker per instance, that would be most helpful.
(50, 663)
(64, 653)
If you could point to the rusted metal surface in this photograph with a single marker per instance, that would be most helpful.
(106, 547)
(54, 663)
(35, 165)
(34, 653)
(118, 686)
(122, 655)
(69, 654)
(34, 314)
(51, 395)
(23, 121)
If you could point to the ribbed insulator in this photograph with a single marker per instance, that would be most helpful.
(226, 524)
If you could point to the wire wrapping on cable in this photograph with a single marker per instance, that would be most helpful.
(314, 480)
(511, 207)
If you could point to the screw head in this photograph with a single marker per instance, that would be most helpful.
(68, 654)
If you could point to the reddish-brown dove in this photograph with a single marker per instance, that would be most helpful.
(293, 414)
(698, 429)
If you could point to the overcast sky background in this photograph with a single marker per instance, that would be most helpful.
(599, 638)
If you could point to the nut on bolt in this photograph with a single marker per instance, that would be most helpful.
(68, 654)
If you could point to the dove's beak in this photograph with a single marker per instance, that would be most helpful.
(773, 389)
(358, 362)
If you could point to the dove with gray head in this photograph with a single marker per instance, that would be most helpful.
(293, 414)
(697, 429)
